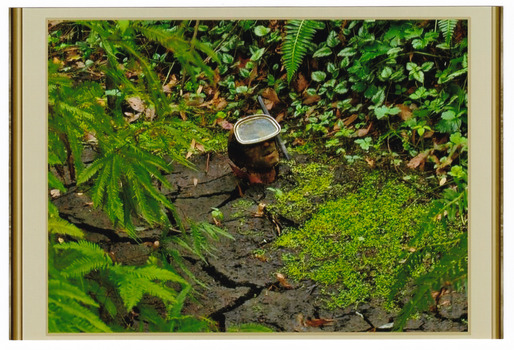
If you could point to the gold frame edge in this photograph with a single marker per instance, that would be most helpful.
(15, 182)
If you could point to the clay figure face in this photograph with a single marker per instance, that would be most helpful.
(261, 156)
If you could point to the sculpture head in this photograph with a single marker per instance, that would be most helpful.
(252, 146)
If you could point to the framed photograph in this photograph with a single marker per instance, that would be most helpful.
(307, 172)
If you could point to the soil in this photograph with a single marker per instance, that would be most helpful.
(241, 282)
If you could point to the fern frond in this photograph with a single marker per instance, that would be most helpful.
(87, 257)
(298, 40)
(98, 189)
(68, 316)
(134, 282)
(91, 170)
(61, 226)
(54, 182)
(114, 204)
(59, 289)
(184, 51)
(447, 27)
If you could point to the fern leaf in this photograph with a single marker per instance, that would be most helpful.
(98, 189)
(298, 40)
(58, 225)
(69, 316)
(134, 282)
(91, 170)
(114, 203)
(54, 182)
(447, 27)
(62, 289)
(89, 257)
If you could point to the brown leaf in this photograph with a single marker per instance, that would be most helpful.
(310, 99)
(131, 117)
(318, 322)
(364, 132)
(183, 115)
(260, 210)
(301, 83)
(350, 119)
(418, 161)
(222, 103)
(173, 81)
(405, 111)
(136, 103)
(371, 162)
(200, 147)
(280, 117)
(225, 124)
(283, 282)
(270, 94)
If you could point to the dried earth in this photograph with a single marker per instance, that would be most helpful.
(240, 283)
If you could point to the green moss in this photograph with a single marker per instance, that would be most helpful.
(241, 208)
(352, 245)
(313, 182)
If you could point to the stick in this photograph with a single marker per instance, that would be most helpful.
(279, 139)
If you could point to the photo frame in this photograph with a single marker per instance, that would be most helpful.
(29, 158)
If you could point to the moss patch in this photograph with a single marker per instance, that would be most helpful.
(312, 184)
(352, 245)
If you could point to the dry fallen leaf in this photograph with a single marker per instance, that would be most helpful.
(301, 83)
(350, 119)
(136, 103)
(310, 99)
(371, 162)
(405, 111)
(418, 161)
(55, 193)
(270, 94)
(283, 282)
(260, 210)
(364, 132)
(318, 322)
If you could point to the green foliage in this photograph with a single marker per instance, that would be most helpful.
(138, 93)
(354, 245)
(297, 42)
(312, 181)
(75, 300)
(249, 328)
(447, 27)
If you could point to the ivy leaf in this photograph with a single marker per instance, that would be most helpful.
(332, 39)
(348, 51)
(226, 58)
(379, 97)
(382, 111)
(341, 88)
(242, 89)
(418, 75)
(257, 54)
(323, 52)
(261, 30)
(427, 66)
(448, 115)
(386, 72)
(318, 76)
(332, 69)
(411, 66)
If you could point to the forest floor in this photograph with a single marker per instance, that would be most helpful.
(240, 284)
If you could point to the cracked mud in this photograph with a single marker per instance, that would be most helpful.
(240, 283)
